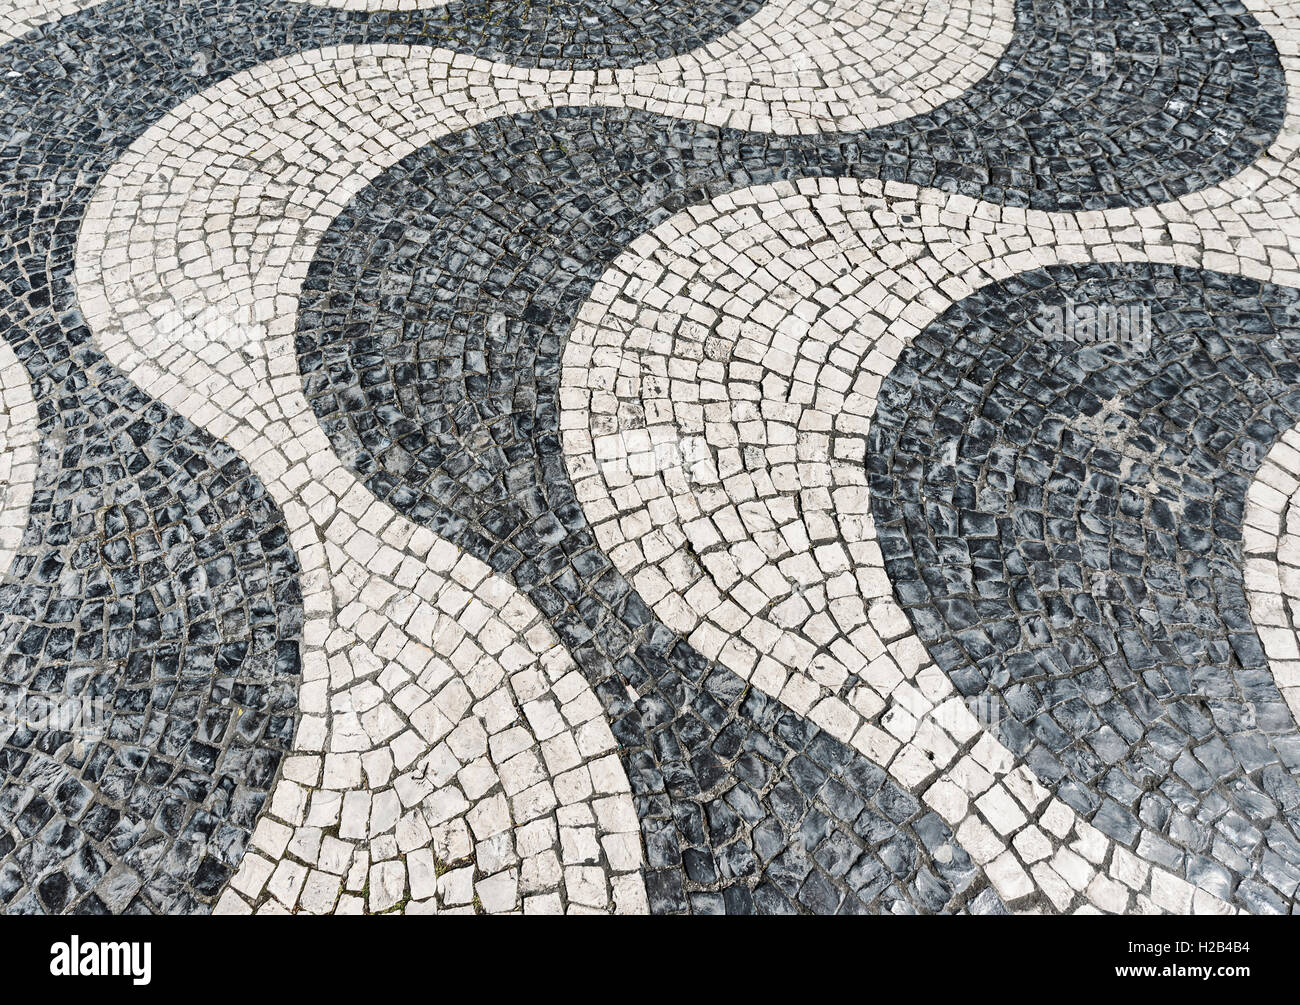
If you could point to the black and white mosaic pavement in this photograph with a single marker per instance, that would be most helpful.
(294, 656)
(429, 338)
(1062, 523)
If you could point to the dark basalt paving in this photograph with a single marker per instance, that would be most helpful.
(1062, 523)
(431, 330)
(154, 597)
(430, 338)
(226, 36)
(165, 802)
(554, 33)
(1100, 104)
(106, 596)
(150, 671)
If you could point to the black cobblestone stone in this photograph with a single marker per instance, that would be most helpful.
(1092, 606)
(156, 575)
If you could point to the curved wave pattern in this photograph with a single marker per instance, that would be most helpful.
(1060, 510)
(151, 619)
(148, 833)
(816, 66)
(716, 395)
(151, 631)
(115, 588)
(437, 382)
(212, 38)
(450, 758)
(150, 636)
(161, 196)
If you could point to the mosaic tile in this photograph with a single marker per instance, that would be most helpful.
(1061, 521)
(445, 735)
(151, 659)
(479, 662)
(715, 430)
(175, 623)
(134, 181)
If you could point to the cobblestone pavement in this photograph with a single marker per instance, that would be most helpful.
(707, 456)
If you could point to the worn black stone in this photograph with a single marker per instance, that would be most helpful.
(479, 461)
(1134, 685)
(177, 598)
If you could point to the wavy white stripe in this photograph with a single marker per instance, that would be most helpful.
(824, 284)
(427, 680)
(412, 744)
(1271, 542)
(197, 304)
(806, 66)
(797, 66)
(717, 391)
(410, 96)
(873, 265)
